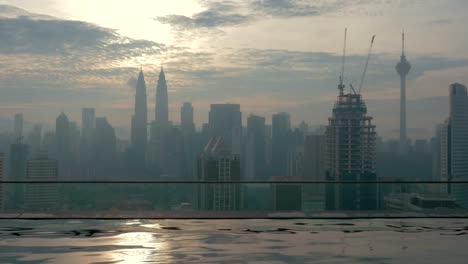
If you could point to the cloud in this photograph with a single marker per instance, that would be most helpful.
(225, 13)
(7, 11)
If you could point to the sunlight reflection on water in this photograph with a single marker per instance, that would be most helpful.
(234, 241)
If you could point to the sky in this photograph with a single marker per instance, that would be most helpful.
(267, 55)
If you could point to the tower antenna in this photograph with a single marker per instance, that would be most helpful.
(403, 43)
(367, 64)
(341, 86)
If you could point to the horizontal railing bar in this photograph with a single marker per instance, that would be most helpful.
(232, 182)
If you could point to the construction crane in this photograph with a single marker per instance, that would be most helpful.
(365, 66)
(341, 86)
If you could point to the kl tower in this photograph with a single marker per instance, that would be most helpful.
(403, 67)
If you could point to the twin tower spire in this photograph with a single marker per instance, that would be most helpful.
(139, 135)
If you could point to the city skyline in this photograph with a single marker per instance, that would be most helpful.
(252, 74)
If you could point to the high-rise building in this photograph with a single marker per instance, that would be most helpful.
(62, 133)
(161, 126)
(139, 122)
(88, 130)
(75, 138)
(440, 156)
(41, 197)
(458, 141)
(255, 157)
(18, 158)
(18, 129)
(314, 165)
(351, 155)
(186, 117)
(35, 138)
(403, 67)
(88, 122)
(421, 146)
(281, 130)
(188, 144)
(62, 136)
(105, 143)
(162, 102)
(217, 163)
(49, 143)
(225, 120)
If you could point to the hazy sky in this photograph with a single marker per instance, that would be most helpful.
(267, 55)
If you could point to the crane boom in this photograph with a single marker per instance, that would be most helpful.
(367, 64)
(341, 86)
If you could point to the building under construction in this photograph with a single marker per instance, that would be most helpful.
(351, 155)
(351, 152)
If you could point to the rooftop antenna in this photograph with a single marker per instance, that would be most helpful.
(341, 86)
(367, 64)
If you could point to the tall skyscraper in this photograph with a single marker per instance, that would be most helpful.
(403, 67)
(186, 117)
(62, 135)
(217, 163)
(458, 141)
(105, 143)
(351, 155)
(255, 158)
(88, 122)
(41, 197)
(281, 130)
(162, 102)
(440, 156)
(225, 120)
(18, 129)
(75, 137)
(88, 129)
(35, 138)
(139, 122)
(314, 165)
(18, 158)
(160, 128)
(188, 138)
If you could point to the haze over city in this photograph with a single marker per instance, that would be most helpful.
(267, 56)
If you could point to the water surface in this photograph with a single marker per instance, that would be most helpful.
(234, 241)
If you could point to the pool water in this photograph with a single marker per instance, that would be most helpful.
(234, 241)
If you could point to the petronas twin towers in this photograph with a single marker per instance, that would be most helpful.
(139, 134)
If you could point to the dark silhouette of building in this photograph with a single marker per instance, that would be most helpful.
(88, 130)
(188, 141)
(18, 129)
(217, 163)
(18, 158)
(225, 120)
(281, 129)
(63, 139)
(351, 156)
(255, 157)
(41, 197)
(160, 127)
(105, 143)
(186, 118)
(139, 122)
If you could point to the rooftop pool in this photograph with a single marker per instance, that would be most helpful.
(235, 241)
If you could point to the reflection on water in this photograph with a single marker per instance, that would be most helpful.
(234, 241)
(143, 247)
